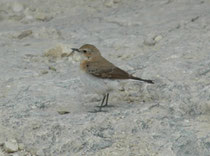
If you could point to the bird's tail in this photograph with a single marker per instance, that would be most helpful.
(136, 78)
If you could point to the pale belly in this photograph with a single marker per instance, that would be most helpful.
(97, 85)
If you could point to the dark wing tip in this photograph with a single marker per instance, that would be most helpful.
(137, 78)
(149, 81)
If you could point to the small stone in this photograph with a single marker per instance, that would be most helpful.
(11, 146)
(54, 52)
(65, 55)
(158, 38)
(149, 42)
(43, 17)
(44, 72)
(62, 112)
(109, 3)
(121, 88)
(59, 52)
(28, 14)
(21, 146)
(27, 44)
(16, 17)
(24, 34)
(52, 68)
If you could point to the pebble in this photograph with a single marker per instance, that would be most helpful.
(151, 41)
(58, 52)
(24, 34)
(62, 112)
(44, 72)
(158, 38)
(52, 68)
(54, 52)
(21, 146)
(109, 3)
(43, 17)
(11, 146)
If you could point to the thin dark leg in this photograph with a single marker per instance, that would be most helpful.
(107, 99)
(102, 102)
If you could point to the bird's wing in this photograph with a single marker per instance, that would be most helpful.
(102, 68)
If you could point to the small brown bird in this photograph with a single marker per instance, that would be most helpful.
(98, 74)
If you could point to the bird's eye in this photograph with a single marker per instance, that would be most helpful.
(85, 51)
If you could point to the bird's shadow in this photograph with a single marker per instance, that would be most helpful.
(101, 109)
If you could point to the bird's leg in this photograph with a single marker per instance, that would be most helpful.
(107, 99)
(102, 102)
(106, 96)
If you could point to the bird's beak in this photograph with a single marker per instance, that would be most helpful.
(75, 49)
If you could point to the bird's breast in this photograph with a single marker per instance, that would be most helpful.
(84, 65)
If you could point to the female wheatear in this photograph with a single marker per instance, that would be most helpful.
(98, 74)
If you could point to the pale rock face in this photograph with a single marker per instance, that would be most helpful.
(46, 108)
(11, 146)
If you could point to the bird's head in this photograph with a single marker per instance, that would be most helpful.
(88, 50)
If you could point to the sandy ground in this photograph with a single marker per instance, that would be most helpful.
(44, 108)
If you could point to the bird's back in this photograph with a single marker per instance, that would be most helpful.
(100, 67)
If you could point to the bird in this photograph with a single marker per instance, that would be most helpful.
(99, 75)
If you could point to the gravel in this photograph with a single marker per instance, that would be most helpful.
(45, 108)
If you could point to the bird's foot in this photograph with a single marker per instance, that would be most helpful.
(98, 110)
(105, 106)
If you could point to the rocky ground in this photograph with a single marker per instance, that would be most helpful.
(45, 110)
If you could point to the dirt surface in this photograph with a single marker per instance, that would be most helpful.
(46, 111)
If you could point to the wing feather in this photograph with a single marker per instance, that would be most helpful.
(104, 69)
